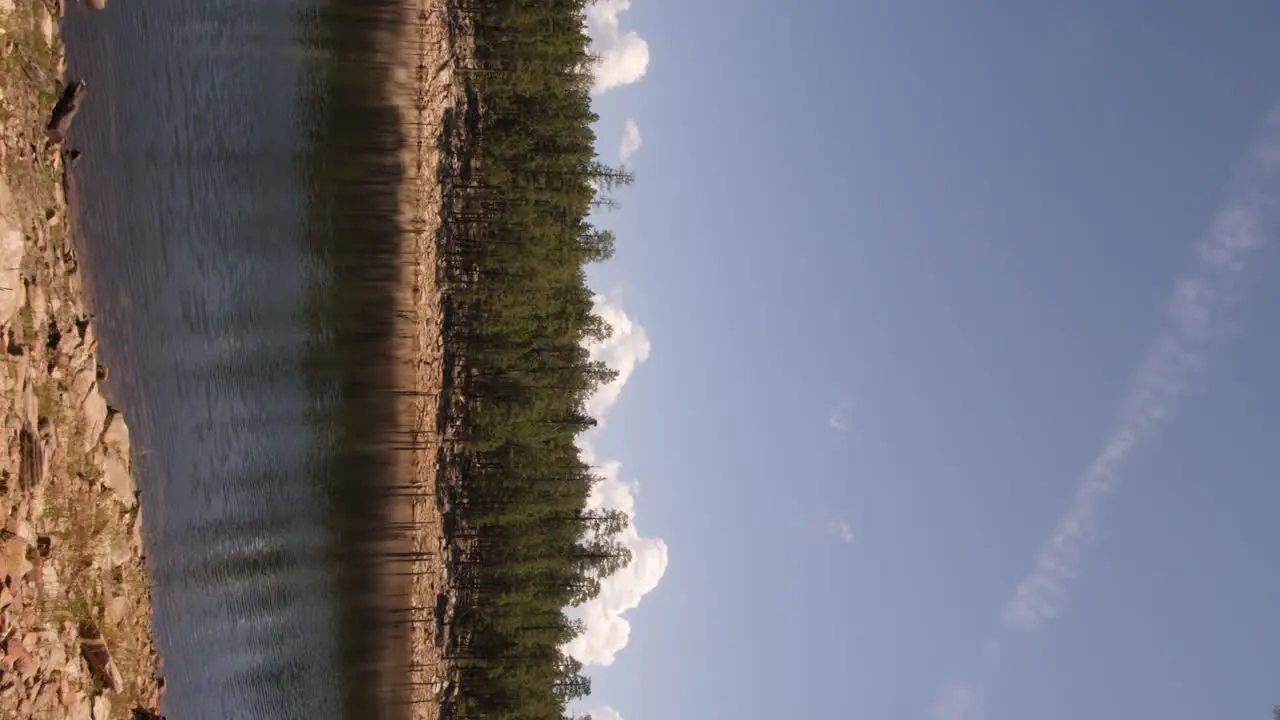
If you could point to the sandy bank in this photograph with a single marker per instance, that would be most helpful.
(423, 83)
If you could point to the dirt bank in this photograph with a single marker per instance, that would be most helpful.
(75, 607)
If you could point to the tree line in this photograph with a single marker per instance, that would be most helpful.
(524, 180)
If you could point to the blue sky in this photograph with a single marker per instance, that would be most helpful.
(954, 366)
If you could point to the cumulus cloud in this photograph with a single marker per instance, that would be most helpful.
(622, 58)
(607, 630)
(1192, 314)
(840, 529)
(622, 351)
(630, 142)
(604, 713)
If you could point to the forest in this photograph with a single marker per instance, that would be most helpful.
(519, 179)
(518, 311)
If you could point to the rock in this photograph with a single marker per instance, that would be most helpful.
(57, 656)
(48, 692)
(14, 650)
(12, 293)
(119, 478)
(82, 384)
(52, 586)
(94, 414)
(116, 610)
(113, 554)
(15, 557)
(65, 111)
(69, 349)
(88, 338)
(20, 372)
(49, 446)
(6, 598)
(39, 304)
(135, 532)
(31, 462)
(22, 529)
(116, 681)
(116, 436)
(29, 406)
(26, 667)
(37, 498)
(94, 651)
(46, 28)
(101, 708)
(83, 710)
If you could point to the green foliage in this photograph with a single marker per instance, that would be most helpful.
(518, 313)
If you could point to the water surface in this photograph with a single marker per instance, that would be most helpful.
(202, 227)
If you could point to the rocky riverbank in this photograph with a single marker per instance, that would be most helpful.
(75, 608)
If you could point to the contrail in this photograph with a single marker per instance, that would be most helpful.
(1193, 313)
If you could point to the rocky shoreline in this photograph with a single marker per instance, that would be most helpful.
(76, 636)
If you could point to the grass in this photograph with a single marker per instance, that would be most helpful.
(47, 398)
(87, 526)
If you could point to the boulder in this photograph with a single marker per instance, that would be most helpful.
(94, 651)
(113, 553)
(94, 415)
(119, 479)
(116, 436)
(12, 292)
(65, 111)
(83, 384)
(88, 339)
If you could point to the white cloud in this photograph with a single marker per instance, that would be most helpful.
(841, 530)
(837, 422)
(1197, 302)
(630, 142)
(622, 351)
(607, 629)
(623, 58)
(604, 713)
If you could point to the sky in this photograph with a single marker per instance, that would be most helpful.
(948, 364)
